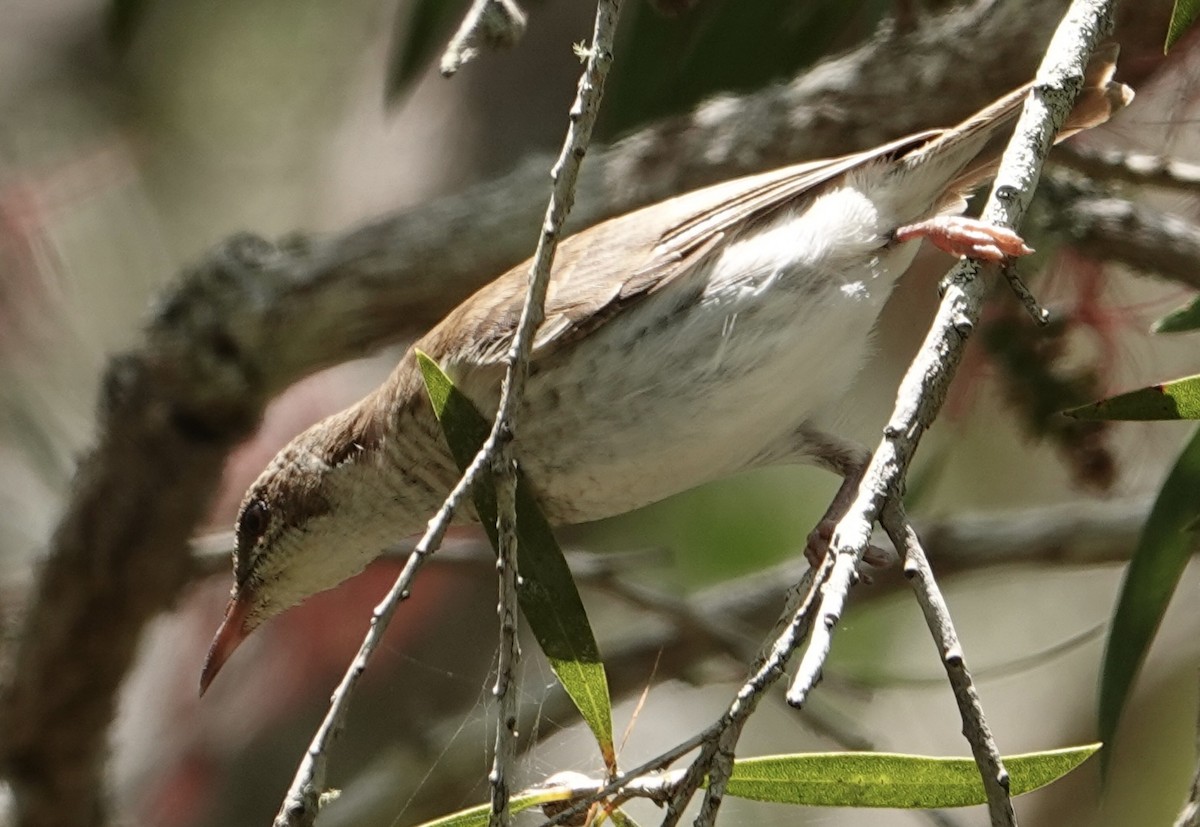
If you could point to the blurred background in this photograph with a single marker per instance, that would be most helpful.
(135, 135)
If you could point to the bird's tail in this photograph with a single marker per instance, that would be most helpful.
(1100, 98)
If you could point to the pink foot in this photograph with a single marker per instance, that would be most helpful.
(968, 237)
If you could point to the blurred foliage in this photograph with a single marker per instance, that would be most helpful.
(122, 21)
(1164, 548)
(673, 55)
(670, 63)
(727, 528)
(1038, 384)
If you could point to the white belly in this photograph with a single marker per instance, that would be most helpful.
(758, 343)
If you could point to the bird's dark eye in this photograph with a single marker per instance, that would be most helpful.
(252, 523)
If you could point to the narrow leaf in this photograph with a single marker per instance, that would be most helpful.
(1182, 17)
(1179, 399)
(549, 599)
(876, 779)
(1181, 320)
(1162, 551)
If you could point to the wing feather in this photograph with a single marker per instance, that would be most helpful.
(598, 272)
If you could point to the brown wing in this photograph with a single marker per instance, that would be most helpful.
(603, 269)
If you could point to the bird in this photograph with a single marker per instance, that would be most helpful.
(689, 340)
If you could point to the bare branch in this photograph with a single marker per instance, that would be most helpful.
(300, 805)
(925, 384)
(498, 448)
(509, 649)
(937, 615)
(170, 413)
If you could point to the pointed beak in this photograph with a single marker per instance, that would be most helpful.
(233, 630)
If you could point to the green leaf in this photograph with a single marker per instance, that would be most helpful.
(877, 779)
(1182, 16)
(478, 816)
(1178, 399)
(1163, 549)
(1182, 320)
(549, 599)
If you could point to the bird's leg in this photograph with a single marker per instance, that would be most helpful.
(809, 444)
(818, 539)
(970, 237)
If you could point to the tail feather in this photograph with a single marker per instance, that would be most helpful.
(1100, 98)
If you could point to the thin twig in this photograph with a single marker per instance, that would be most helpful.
(721, 770)
(565, 174)
(625, 784)
(925, 384)
(716, 756)
(937, 616)
(302, 802)
(719, 740)
(300, 806)
(722, 734)
(488, 24)
(509, 651)
(1029, 301)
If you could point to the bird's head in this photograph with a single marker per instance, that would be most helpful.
(308, 522)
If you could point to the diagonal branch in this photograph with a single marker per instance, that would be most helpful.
(937, 615)
(924, 386)
(498, 448)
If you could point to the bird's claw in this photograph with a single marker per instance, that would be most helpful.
(818, 546)
(970, 237)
